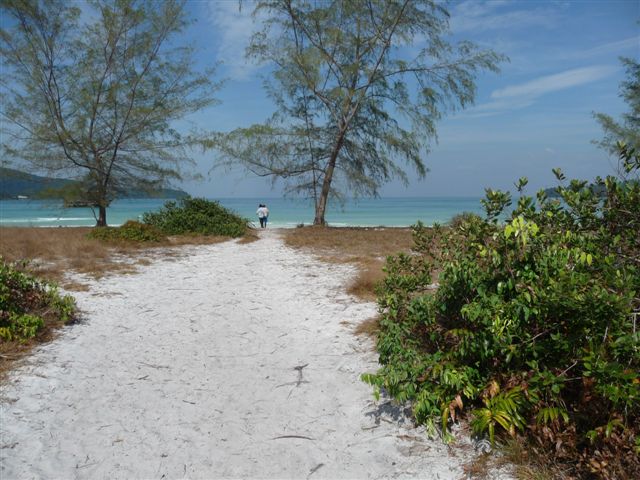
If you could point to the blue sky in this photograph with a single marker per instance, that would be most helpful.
(533, 116)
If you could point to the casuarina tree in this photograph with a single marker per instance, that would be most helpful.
(97, 92)
(359, 86)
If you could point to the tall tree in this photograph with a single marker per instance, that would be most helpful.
(627, 130)
(101, 97)
(355, 95)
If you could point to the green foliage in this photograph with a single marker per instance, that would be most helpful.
(628, 128)
(131, 231)
(197, 216)
(342, 81)
(27, 303)
(123, 77)
(531, 325)
(504, 409)
(464, 218)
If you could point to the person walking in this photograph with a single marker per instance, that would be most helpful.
(263, 215)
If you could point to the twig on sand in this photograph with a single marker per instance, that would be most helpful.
(315, 469)
(154, 366)
(236, 356)
(298, 382)
(299, 369)
(292, 436)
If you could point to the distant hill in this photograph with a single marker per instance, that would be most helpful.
(600, 190)
(14, 183)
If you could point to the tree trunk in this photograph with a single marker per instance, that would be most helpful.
(321, 205)
(102, 216)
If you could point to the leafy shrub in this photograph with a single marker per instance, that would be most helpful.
(532, 327)
(131, 231)
(463, 218)
(27, 304)
(197, 216)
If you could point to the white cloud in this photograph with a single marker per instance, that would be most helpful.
(515, 97)
(234, 25)
(495, 107)
(552, 83)
(473, 15)
(618, 47)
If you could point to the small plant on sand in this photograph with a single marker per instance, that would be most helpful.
(197, 216)
(533, 329)
(131, 231)
(27, 304)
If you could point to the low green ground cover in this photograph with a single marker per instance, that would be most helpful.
(28, 305)
(532, 331)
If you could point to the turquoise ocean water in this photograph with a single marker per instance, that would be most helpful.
(287, 213)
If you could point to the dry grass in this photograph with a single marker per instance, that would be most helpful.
(55, 251)
(13, 352)
(249, 237)
(367, 248)
(518, 458)
(479, 467)
(528, 464)
(369, 327)
(352, 242)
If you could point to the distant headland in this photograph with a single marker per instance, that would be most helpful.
(19, 185)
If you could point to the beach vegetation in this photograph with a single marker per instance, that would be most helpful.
(463, 218)
(95, 96)
(364, 247)
(28, 304)
(627, 129)
(533, 330)
(58, 254)
(130, 231)
(353, 104)
(197, 216)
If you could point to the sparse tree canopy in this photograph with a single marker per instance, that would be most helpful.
(628, 129)
(99, 97)
(359, 86)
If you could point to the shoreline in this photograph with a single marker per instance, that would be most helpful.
(287, 213)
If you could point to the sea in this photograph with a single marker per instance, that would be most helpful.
(284, 212)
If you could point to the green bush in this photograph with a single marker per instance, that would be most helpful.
(531, 329)
(131, 231)
(197, 216)
(27, 304)
(463, 218)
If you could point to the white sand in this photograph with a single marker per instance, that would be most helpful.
(232, 361)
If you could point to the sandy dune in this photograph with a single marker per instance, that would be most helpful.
(232, 361)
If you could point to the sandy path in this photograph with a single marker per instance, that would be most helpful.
(232, 361)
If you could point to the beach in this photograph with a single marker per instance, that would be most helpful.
(226, 361)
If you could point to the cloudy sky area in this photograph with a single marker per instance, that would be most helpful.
(533, 116)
